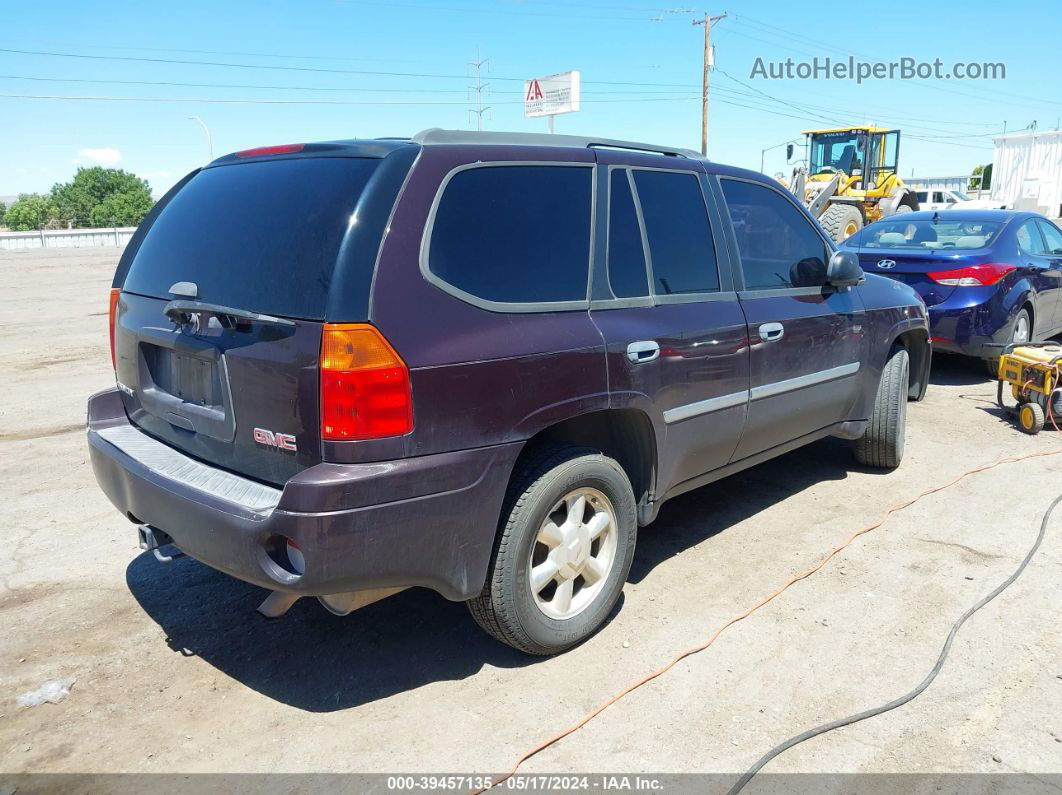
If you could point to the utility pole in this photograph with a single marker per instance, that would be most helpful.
(708, 21)
(478, 88)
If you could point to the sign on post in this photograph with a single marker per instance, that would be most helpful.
(551, 95)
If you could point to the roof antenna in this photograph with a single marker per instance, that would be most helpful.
(936, 217)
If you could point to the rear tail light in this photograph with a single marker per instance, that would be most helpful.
(262, 151)
(972, 275)
(365, 390)
(112, 312)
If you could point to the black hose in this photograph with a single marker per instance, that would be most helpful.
(870, 713)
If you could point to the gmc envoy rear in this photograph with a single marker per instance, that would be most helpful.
(477, 363)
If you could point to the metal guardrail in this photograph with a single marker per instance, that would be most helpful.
(67, 238)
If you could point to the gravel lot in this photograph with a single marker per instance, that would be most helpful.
(176, 672)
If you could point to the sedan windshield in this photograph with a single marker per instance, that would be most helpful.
(949, 235)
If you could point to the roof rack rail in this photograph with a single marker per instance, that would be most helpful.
(435, 135)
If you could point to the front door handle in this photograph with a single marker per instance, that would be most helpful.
(643, 351)
(771, 332)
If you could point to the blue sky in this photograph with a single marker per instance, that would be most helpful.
(640, 63)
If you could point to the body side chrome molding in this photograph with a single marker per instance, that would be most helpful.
(802, 381)
(680, 413)
(733, 399)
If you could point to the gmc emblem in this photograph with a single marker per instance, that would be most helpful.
(281, 441)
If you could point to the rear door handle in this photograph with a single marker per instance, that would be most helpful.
(771, 332)
(643, 351)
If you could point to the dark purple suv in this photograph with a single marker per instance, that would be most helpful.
(477, 363)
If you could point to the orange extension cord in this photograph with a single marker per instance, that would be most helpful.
(742, 616)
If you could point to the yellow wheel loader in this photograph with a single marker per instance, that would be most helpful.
(851, 178)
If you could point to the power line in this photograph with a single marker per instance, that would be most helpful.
(262, 101)
(315, 69)
(244, 53)
(250, 101)
(111, 81)
(496, 10)
(773, 30)
(231, 85)
(850, 114)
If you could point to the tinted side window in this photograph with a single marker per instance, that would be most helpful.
(1029, 239)
(626, 258)
(779, 247)
(1052, 237)
(514, 234)
(680, 239)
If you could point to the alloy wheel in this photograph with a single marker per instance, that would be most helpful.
(573, 553)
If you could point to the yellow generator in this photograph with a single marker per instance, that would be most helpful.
(852, 178)
(1033, 372)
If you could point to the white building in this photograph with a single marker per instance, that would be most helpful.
(1027, 171)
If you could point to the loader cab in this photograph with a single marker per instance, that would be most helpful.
(869, 154)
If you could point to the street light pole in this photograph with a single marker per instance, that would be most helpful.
(763, 152)
(209, 137)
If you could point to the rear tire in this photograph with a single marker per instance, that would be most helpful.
(559, 566)
(1020, 331)
(841, 221)
(882, 443)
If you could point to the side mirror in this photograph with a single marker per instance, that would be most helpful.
(788, 152)
(844, 269)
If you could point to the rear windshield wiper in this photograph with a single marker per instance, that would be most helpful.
(182, 311)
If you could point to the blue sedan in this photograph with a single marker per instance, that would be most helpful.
(987, 277)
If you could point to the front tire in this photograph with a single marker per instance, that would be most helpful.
(567, 539)
(841, 221)
(882, 443)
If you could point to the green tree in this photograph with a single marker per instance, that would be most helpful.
(121, 209)
(90, 188)
(3, 210)
(981, 178)
(31, 211)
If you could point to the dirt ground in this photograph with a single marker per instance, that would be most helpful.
(176, 672)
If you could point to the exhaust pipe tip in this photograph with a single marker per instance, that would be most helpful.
(278, 603)
(342, 604)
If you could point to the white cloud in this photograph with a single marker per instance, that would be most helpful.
(105, 156)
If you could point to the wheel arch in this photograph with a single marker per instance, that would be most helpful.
(920, 352)
(626, 435)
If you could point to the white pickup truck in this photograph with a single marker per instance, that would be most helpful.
(947, 199)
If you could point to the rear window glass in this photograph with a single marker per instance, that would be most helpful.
(626, 258)
(947, 235)
(680, 241)
(514, 234)
(258, 236)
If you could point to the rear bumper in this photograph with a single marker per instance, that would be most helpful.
(426, 521)
(973, 325)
